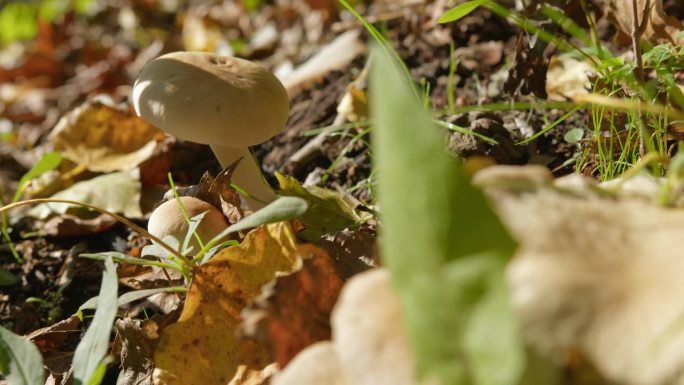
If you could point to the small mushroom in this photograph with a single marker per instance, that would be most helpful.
(168, 219)
(225, 102)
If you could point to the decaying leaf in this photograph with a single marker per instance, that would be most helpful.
(296, 308)
(328, 210)
(370, 343)
(137, 349)
(202, 347)
(105, 138)
(117, 192)
(567, 77)
(659, 27)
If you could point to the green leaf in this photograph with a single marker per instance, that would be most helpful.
(444, 246)
(48, 162)
(93, 347)
(123, 258)
(132, 296)
(7, 278)
(281, 209)
(193, 224)
(328, 210)
(460, 11)
(574, 136)
(20, 360)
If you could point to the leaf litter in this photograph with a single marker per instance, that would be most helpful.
(75, 59)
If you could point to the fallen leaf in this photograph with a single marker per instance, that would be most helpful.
(202, 348)
(137, 352)
(50, 339)
(567, 77)
(660, 28)
(296, 308)
(328, 210)
(105, 138)
(528, 75)
(72, 226)
(100, 192)
(334, 56)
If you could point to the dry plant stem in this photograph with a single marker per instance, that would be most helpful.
(247, 175)
(312, 147)
(119, 218)
(638, 29)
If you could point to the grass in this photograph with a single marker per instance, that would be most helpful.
(635, 120)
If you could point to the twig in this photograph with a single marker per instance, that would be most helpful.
(638, 29)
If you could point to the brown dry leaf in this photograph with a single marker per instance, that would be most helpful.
(104, 138)
(137, 350)
(202, 347)
(55, 343)
(297, 307)
(567, 77)
(660, 28)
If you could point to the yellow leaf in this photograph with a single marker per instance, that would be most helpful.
(105, 138)
(202, 347)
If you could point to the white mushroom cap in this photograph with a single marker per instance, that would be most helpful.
(211, 99)
(168, 219)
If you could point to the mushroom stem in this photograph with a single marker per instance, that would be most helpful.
(247, 175)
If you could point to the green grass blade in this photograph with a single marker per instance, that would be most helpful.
(48, 162)
(93, 347)
(132, 296)
(551, 126)
(460, 11)
(20, 360)
(282, 209)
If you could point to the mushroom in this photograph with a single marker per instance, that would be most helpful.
(225, 102)
(168, 219)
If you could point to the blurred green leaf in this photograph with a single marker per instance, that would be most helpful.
(20, 360)
(7, 278)
(574, 136)
(18, 22)
(444, 246)
(48, 162)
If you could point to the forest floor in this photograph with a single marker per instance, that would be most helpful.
(78, 73)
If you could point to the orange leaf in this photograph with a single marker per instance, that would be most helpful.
(202, 347)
